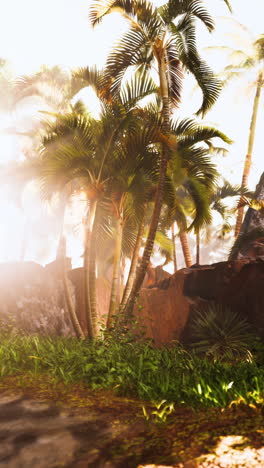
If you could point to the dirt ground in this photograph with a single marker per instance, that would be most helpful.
(98, 429)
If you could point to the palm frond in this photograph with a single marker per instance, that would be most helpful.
(202, 213)
(228, 4)
(88, 77)
(140, 86)
(196, 8)
(175, 75)
(200, 133)
(127, 53)
(207, 81)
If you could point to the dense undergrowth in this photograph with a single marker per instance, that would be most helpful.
(136, 369)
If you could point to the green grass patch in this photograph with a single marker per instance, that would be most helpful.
(136, 369)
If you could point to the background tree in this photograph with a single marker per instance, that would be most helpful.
(164, 37)
(246, 67)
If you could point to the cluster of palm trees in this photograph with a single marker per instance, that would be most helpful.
(140, 170)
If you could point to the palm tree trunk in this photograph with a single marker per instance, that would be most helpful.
(92, 284)
(185, 249)
(134, 263)
(160, 189)
(62, 258)
(67, 294)
(173, 238)
(122, 275)
(198, 247)
(89, 312)
(248, 159)
(113, 307)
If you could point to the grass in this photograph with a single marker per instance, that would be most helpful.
(134, 369)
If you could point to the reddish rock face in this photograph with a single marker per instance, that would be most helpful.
(154, 275)
(31, 299)
(237, 285)
(103, 292)
(163, 310)
(254, 251)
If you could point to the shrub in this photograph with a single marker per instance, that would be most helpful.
(221, 334)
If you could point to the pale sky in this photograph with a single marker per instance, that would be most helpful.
(33, 32)
(36, 32)
(57, 32)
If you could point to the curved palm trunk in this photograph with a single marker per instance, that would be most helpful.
(113, 307)
(61, 256)
(67, 293)
(248, 159)
(173, 238)
(89, 272)
(185, 249)
(198, 247)
(92, 284)
(134, 263)
(160, 189)
(122, 276)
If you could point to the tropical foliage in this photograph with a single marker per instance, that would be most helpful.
(136, 369)
(246, 67)
(163, 38)
(221, 334)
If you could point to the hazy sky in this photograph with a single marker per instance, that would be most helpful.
(57, 32)
(35, 32)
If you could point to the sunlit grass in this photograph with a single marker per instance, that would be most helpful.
(132, 369)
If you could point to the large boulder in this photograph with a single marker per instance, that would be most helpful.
(237, 285)
(33, 297)
(249, 244)
(31, 300)
(167, 308)
(163, 310)
(254, 217)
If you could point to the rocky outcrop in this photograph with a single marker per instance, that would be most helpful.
(163, 310)
(154, 275)
(31, 300)
(238, 285)
(166, 309)
(249, 244)
(254, 217)
(33, 297)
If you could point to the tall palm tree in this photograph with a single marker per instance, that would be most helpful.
(129, 190)
(216, 201)
(246, 65)
(165, 38)
(194, 176)
(84, 148)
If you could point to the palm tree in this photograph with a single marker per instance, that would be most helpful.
(129, 192)
(155, 38)
(51, 85)
(81, 147)
(193, 175)
(249, 59)
(216, 197)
